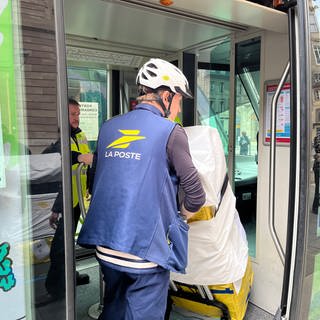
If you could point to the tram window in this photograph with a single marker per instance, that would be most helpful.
(221, 87)
(316, 51)
(316, 95)
(317, 111)
(89, 85)
(315, 78)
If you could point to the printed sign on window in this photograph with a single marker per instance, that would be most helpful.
(89, 116)
(282, 115)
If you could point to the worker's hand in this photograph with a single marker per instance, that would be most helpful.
(53, 220)
(185, 213)
(86, 158)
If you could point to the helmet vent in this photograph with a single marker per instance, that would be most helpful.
(152, 65)
(152, 74)
(144, 76)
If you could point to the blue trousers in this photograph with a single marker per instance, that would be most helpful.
(132, 296)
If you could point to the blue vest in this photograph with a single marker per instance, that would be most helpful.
(133, 206)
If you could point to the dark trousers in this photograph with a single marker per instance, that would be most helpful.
(55, 281)
(131, 296)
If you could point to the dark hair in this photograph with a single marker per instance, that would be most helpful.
(73, 102)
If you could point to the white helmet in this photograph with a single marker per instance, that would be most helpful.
(157, 72)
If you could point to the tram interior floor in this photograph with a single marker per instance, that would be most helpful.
(88, 295)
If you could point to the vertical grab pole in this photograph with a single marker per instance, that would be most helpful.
(95, 310)
(273, 126)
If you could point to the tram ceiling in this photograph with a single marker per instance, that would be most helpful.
(121, 24)
(145, 27)
(147, 24)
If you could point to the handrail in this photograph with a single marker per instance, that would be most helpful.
(79, 191)
(273, 126)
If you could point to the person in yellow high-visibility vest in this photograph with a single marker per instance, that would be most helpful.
(80, 153)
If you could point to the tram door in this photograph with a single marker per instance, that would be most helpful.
(34, 162)
(258, 64)
(243, 82)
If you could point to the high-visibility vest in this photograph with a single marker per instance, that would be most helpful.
(82, 148)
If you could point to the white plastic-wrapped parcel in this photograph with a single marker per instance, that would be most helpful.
(218, 248)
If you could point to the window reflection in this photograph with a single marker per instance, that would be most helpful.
(29, 180)
(312, 289)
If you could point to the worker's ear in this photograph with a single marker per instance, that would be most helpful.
(166, 96)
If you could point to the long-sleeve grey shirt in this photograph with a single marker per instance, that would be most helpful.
(180, 160)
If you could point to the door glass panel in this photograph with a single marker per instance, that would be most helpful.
(14, 289)
(213, 91)
(29, 178)
(247, 88)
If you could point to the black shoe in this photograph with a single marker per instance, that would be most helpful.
(46, 299)
(82, 279)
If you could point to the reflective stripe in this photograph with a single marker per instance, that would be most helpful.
(83, 148)
(125, 261)
(82, 141)
(118, 253)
